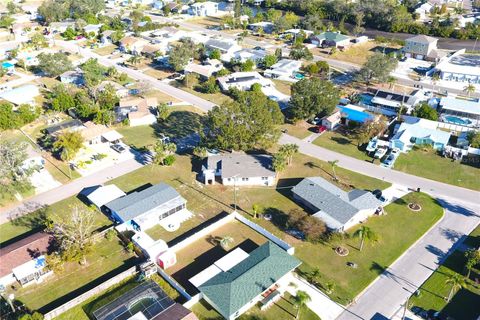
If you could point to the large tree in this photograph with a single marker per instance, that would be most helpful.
(54, 64)
(181, 53)
(68, 144)
(13, 178)
(426, 112)
(73, 231)
(61, 98)
(248, 122)
(377, 68)
(312, 97)
(94, 72)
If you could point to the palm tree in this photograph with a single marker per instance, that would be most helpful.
(329, 287)
(289, 150)
(473, 258)
(334, 165)
(365, 234)
(300, 300)
(134, 60)
(255, 209)
(391, 82)
(457, 281)
(469, 89)
(225, 242)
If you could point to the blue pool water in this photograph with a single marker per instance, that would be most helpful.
(6, 65)
(457, 120)
(299, 76)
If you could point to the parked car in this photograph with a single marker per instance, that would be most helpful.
(319, 129)
(296, 234)
(390, 160)
(163, 138)
(315, 121)
(119, 148)
(379, 195)
(381, 151)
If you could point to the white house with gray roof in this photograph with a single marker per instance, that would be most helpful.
(226, 47)
(240, 170)
(144, 209)
(340, 210)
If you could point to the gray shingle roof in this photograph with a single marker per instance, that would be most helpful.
(219, 44)
(137, 203)
(336, 207)
(233, 289)
(242, 165)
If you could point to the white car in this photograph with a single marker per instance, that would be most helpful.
(381, 151)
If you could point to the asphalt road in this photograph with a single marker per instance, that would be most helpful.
(69, 189)
(155, 83)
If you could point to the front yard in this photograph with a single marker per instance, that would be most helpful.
(341, 143)
(435, 289)
(397, 231)
(300, 129)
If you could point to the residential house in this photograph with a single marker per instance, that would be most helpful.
(332, 121)
(169, 34)
(330, 39)
(421, 47)
(73, 77)
(238, 281)
(255, 55)
(92, 28)
(133, 45)
(243, 81)
(204, 9)
(262, 26)
(152, 50)
(424, 10)
(62, 26)
(120, 90)
(340, 210)
(284, 69)
(460, 67)
(240, 170)
(356, 114)
(204, 70)
(93, 133)
(414, 131)
(24, 260)
(70, 125)
(460, 111)
(297, 32)
(141, 210)
(147, 301)
(106, 38)
(101, 195)
(393, 101)
(227, 48)
(139, 111)
(25, 94)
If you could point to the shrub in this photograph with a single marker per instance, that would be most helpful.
(169, 290)
(110, 234)
(169, 160)
(130, 247)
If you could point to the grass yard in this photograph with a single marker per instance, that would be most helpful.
(162, 97)
(283, 309)
(283, 86)
(299, 130)
(338, 142)
(435, 289)
(32, 222)
(106, 259)
(429, 165)
(217, 98)
(397, 231)
(157, 73)
(105, 51)
(182, 121)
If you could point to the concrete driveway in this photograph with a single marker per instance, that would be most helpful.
(43, 181)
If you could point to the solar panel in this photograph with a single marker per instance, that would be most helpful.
(147, 298)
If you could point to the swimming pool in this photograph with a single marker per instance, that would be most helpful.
(299, 76)
(366, 99)
(7, 65)
(457, 120)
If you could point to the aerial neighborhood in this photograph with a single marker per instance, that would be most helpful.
(239, 159)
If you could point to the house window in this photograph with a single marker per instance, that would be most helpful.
(244, 179)
(264, 178)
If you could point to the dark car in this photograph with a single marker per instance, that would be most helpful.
(419, 312)
(296, 234)
(119, 148)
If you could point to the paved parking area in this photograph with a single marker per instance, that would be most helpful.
(43, 181)
(86, 164)
(405, 68)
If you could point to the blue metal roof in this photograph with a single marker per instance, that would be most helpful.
(355, 115)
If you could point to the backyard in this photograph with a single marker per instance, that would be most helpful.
(107, 258)
(435, 289)
(283, 309)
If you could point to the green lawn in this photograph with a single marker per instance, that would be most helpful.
(107, 257)
(283, 309)
(429, 165)
(299, 130)
(217, 98)
(397, 231)
(103, 51)
(423, 163)
(434, 291)
(35, 221)
(340, 143)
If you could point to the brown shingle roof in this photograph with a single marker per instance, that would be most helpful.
(22, 251)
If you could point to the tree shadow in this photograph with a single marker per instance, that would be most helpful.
(341, 140)
(180, 124)
(436, 251)
(313, 165)
(279, 218)
(462, 305)
(455, 208)
(452, 235)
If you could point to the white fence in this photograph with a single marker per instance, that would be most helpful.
(83, 297)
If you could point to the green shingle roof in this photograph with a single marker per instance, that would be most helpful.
(233, 289)
(331, 36)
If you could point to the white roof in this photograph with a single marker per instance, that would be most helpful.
(460, 105)
(221, 265)
(105, 194)
(287, 65)
(461, 63)
(111, 136)
(21, 95)
(29, 267)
